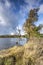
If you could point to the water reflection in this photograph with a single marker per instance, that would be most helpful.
(9, 42)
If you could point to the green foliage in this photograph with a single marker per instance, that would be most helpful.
(33, 15)
(29, 26)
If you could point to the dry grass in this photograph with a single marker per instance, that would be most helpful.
(29, 54)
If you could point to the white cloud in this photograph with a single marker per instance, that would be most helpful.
(2, 21)
(30, 2)
(7, 13)
(22, 32)
(41, 31)
(41, 9)
(12, 33)
(7, 4)
(8, 18)
(24, 10)
(33, 2)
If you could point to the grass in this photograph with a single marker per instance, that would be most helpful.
(29, 54)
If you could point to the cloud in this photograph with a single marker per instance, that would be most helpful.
(12, 33)
(7, 4)
(13, 13)
(41, 31)
(2, 21)
(24, 10)
(41, 9)
(8, 18)
(34, 3)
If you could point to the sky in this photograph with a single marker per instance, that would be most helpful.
(13, 14)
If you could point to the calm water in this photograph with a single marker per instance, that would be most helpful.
(9, 42)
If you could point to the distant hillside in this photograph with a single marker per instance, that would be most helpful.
(29, 54)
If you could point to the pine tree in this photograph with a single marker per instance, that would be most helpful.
(29, 26)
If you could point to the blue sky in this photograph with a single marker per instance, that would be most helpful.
(13, 13)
